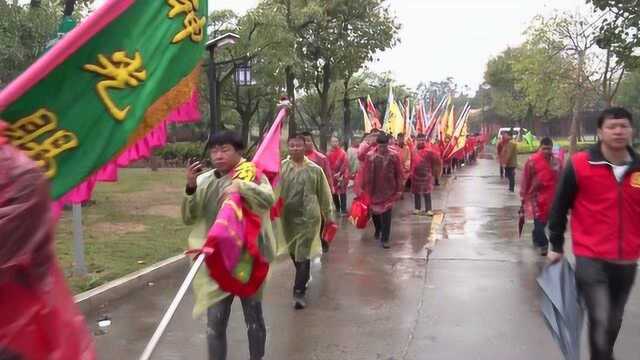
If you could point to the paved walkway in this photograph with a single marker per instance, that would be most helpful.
(473, 297)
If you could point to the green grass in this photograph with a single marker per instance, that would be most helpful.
(132, 224)
(525, 148)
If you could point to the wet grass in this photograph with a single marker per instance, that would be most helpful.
(130, 224)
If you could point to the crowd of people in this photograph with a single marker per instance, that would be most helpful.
(312, 189)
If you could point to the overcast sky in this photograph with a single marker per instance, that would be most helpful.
(442, 38)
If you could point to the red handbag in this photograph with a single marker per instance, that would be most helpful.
(359, 214)
(329, 232)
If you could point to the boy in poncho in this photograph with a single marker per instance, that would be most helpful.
(307, 200)
(205, 194)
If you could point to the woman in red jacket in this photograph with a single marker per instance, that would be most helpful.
(539, 180)
(601, 187)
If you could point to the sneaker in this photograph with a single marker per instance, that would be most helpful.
(299, 302)
(386, 244)
(417, 212)
(543, 251)
(429, 213)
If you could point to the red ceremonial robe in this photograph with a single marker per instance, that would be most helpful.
(382, 180)
(425, 165)
(321, 160)
(38, 318)
(340, 169)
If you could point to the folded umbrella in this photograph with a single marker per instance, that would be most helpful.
(562, 307)
(520, 221)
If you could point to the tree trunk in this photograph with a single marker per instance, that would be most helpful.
(246, 120)
(574, 131)
(324, 106)
(291, 94)
(347, 113)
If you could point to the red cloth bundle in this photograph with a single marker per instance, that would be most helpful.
(359, 214)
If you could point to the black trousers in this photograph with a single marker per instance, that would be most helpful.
(340, 202)
(303, 273)
(539, 235)
(510, 174)
(605, 287)
(501, 172)
(382, 224)
(417, 199)
(218, 319)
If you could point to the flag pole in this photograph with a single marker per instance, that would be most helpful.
(155, 339)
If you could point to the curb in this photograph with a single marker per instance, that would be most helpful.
(92, 300)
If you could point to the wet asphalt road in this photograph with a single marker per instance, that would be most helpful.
(473, 297)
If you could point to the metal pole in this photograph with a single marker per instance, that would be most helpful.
(80, 267)
(155, 339)
(213, 94)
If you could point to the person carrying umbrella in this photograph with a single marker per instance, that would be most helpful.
(601, 187)
(539, 179)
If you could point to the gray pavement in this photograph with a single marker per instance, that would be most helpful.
(473, 297)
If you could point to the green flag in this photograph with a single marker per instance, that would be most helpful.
(104, 85)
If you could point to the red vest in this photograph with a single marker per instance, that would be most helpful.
(605, 217)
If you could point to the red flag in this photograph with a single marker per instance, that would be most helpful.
(420, 120)
(236, 228)
(374, 114)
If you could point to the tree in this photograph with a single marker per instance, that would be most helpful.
(619, 29)
(343, 35)
(24, 33)
(574, 36)
(243, 99)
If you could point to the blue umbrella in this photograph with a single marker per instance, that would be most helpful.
(562, 307)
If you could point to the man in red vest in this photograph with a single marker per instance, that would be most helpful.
(601, 187)
(539, 179)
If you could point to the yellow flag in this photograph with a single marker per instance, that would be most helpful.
(451, 122)
(394, 121)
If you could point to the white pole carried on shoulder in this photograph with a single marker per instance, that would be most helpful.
(155, 339)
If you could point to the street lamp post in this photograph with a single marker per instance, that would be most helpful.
(214, 98)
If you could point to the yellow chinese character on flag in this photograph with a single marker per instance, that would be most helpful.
(122, 72)
(193, 26)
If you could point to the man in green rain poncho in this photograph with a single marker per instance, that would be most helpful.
(205, 193)
(307, 199)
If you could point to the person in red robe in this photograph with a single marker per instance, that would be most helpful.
(367, 146)
(317, 157)
(382, 186)
(38, 317)
(405, 152)
(539, 179)
(340, 169)
(321, 160)
(425, 166)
